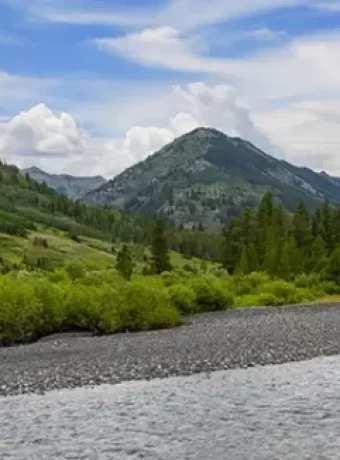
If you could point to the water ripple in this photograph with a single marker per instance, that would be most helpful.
(278, 412)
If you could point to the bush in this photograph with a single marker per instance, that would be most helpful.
(307, 281)
(287, 292)
(75, 270)
(211, 294)
(265, 299)
(329, 288)
(38, 241)
(244, 285)
(145, 305)
(21, 315)
(183, 298)
(73, 236)
(57, 275)
(190, 268)
(170, 278)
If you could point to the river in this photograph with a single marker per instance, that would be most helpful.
(290, 411)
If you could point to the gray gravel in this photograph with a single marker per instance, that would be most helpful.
(225, 340)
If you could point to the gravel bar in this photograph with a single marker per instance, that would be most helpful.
(215, 341)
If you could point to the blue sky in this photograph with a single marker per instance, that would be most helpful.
(131, 76)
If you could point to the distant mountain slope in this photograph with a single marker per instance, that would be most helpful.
(73, 187)
(206, 177)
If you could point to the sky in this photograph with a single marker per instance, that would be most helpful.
(91, 87)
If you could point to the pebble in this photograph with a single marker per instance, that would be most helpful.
(215, 341)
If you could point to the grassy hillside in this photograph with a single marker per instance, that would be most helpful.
(24, 204)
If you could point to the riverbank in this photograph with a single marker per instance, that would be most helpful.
(216, 341)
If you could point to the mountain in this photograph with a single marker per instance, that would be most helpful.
(71, 186)
(205, 177)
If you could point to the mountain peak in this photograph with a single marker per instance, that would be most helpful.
(206, 177)
(33, 169)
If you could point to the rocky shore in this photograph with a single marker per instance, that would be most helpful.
(217, 341)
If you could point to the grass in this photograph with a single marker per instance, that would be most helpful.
(335, 298)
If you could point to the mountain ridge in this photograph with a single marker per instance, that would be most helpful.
(73, 186)
(205, 177)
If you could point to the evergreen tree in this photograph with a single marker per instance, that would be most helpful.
(318, 259)
(124, 264)
(301, 229)
(159, 249)
(243, 267)
(271, 256)
(290, 260)
(334, 266)
(264, 221)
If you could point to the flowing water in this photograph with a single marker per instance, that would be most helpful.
(279, 412)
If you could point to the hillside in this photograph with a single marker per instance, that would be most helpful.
(72, 186)
(27, 207)
(205, 177)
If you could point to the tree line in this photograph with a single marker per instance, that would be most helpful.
(272, 240)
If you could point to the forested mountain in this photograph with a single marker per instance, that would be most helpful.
(206, 177)
(71, 186)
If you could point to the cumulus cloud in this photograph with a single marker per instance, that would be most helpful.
(306, 133)
(56, 143)
(40, 132)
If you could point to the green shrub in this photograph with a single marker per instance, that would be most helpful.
(288, 292)
(51, 297)
(183, 298)
(145, 305)
(57, 275)
(75, 270)
(20, 311)
(38, 241)
(99, 278)
(211, 294)
(264, 299)
(307, 281)
(245, 285)
(329, 288)
(190, 268)
(170, 278)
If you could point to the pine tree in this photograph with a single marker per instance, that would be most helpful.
(290, 263)
(264, 222)
(252, 258)
(159, 249)
(271, 256)
(334, 266)
(243, 267)
(124, 263)
(318, 260)
(301, 228)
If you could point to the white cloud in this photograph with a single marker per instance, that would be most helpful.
(41, 134)
(301, 66)
(181, 14)
(162, 47)
(306, 133)
(54, 142)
